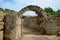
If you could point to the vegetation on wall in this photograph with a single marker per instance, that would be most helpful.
(6, 10)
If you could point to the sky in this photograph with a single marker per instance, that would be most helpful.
(17, 5)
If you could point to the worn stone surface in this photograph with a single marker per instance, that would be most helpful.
(1, 16)
(1, 35)
(12, 26)
(9, 32)
(51, 28)
(18, 27)
(33, 23)
(39, 37)
(1, 25)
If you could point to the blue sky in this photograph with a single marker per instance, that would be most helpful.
(19, 4)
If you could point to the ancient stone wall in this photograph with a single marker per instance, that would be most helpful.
(52, 27)
(33, 22)
(12, 26)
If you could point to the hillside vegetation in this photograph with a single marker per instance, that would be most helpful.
(51, 11)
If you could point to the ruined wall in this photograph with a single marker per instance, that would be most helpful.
(12, 26)
(52, 27)
(34, 22)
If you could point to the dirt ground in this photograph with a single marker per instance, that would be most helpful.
(39, 37)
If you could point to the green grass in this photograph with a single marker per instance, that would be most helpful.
(20, 38)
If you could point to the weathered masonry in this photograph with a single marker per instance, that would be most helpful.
(11, 23)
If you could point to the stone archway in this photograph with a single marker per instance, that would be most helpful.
(39, 11)
(41, 16)
(34, 8)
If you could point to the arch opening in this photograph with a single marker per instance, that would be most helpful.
(28, 19)
(30, 13)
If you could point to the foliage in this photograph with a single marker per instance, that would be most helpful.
(20, 38)
(6, 10)
(58, 12)
(23, 17)
(48, 9)
(1, 9)
(51, 11)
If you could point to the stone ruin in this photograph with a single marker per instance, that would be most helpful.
(52, 27)
(11, 27)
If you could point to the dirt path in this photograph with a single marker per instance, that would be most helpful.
(38, 37)
(30, 34)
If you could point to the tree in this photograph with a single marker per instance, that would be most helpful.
(8, 10)
(48, 9)
(58, 12)
(1, 9)
(23, 17)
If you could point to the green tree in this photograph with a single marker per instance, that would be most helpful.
(23, 17)
(48, 9)
(1, 9)
(8, 10)
(58, 12)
